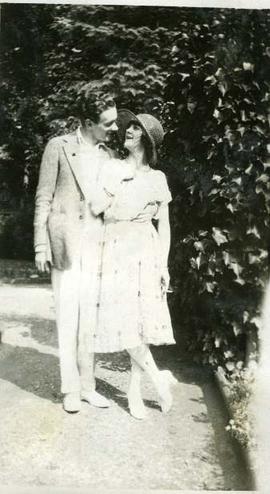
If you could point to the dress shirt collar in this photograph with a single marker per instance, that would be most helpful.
(81, 140)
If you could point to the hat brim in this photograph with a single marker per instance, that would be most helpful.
(124, 118)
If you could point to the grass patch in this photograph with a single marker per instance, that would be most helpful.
(13, 271)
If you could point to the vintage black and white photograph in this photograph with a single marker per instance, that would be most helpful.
(134, 247)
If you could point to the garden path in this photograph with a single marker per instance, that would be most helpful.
(41, 445)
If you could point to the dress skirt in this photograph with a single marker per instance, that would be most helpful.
(131, 308)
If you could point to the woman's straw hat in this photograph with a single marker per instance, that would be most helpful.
(151, 126)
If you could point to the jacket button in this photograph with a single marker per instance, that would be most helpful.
(81, 198)
(81, 217)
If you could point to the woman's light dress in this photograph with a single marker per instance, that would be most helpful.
(131, 308)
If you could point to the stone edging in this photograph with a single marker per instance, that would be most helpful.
(246, 453)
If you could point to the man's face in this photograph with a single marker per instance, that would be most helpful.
(103, 129)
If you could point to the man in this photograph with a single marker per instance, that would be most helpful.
(68, 238)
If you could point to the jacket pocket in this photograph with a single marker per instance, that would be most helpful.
(60, 239)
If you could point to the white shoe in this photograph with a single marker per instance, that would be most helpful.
(167, 381)
(136, 406)
(72, 402)
(95, 399)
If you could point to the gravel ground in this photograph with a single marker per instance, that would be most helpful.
(41, 445)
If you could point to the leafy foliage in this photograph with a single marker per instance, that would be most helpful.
(204, 73)
(218, 114)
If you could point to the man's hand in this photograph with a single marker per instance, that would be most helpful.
(41, 263)
(147, 214)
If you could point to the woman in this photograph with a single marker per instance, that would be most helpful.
(132, 309)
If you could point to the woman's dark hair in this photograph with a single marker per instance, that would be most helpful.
(148, 150)
(92, 99)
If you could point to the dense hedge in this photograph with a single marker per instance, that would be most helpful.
(204, 72)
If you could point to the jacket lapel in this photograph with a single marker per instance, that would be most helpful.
(72, 151)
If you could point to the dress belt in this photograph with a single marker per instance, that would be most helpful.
(108, 221)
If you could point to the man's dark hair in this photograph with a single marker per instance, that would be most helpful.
(94, 98)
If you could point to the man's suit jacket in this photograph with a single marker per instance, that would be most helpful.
(61, 199)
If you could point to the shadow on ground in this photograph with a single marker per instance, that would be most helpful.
(39, 373)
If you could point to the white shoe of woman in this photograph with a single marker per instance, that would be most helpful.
(167, 381)
(136, 406)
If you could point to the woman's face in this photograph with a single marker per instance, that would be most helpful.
(133, 136)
